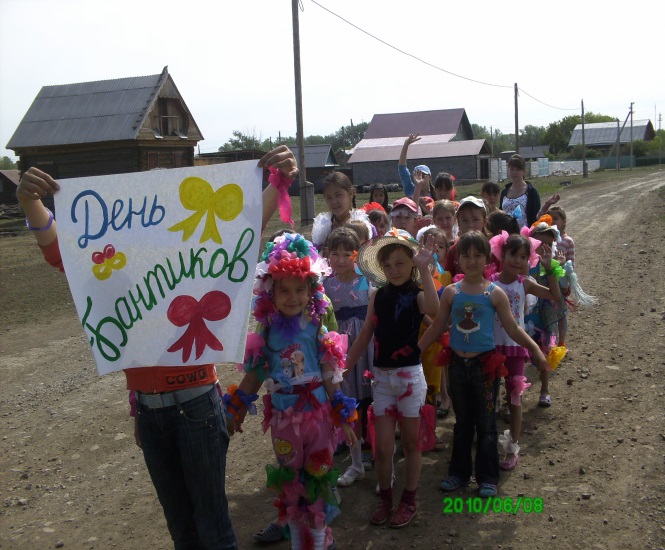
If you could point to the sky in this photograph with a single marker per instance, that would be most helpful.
(233, 61)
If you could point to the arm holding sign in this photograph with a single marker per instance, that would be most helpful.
(34, 185)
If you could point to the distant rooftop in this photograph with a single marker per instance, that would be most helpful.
(605, 133)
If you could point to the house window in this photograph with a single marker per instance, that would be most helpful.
(169, 119)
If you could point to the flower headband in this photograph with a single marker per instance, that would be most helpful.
(497, 242)
(289, 255)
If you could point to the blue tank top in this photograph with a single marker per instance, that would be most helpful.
(472, 321)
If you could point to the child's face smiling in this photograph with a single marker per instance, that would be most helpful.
(291, 296)
(339, 201)
(340, 261)
(398, 266)
(472, 263)
(516, 262)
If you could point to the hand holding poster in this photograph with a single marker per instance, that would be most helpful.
(161, 263)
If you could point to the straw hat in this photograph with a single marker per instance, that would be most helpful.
(368, 255)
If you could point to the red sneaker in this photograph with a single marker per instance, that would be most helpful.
(381, 512)
(405, 513)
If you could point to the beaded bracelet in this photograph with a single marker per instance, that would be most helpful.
(46, 227)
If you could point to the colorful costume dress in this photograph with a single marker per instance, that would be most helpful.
(350, 301)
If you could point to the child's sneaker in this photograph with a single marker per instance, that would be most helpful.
(368, 463)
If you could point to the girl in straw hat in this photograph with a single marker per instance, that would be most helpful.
(397, 264)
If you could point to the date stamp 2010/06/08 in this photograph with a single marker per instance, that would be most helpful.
(494, 505)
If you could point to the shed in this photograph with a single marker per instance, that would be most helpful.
(446, 145)
(107, 127)
(534, 152)
(320, 160)
(8, 183)
(603, 135)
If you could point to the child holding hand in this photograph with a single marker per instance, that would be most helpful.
(301, 365)
(475, 365)
(397, 264)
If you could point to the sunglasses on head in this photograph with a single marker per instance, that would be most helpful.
(402, 213)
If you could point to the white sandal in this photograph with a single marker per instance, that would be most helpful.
(350, 477)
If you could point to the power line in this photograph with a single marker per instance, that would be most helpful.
(410, 54)
(431, 64)
(547, 104)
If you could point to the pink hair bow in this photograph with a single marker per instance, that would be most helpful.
(497, 242)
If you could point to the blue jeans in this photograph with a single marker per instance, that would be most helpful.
(474, 403)
(184, 447)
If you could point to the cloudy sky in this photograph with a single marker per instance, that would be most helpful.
(233, 61)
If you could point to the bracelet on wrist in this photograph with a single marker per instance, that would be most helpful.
(46, 227)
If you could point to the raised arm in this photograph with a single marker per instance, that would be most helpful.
(551, 293)
(33, 185)
(427, 300)
(282, 158)
(404, 173)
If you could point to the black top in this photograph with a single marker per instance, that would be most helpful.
(397, 323)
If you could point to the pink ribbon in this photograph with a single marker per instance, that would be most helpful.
(403, 352)
(404, 374)
(519, 385)
(281, 183)
(186, 310)
(409, 391)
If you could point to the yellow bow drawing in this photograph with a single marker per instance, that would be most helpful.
(198, 195)
(105, 262)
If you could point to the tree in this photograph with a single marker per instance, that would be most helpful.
(7, 164)
(241, 141)
(531, 136)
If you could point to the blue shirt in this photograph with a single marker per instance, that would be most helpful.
(472, 321)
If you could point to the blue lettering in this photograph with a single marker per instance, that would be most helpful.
(103, 214)
(98, 211)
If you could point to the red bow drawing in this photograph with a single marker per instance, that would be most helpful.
(185, 310)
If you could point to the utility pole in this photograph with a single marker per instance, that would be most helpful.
(660, 137)
(631, 134)
(618, 147)
(306, 190)
(585, 169)
(517, 126)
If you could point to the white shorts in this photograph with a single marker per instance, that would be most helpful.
(404, 389)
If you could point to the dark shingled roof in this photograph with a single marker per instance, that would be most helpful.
(425, 123)
(88, 112)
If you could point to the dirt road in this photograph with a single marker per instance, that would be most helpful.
(70, 472)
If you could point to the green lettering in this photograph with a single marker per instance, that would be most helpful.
(238, 257)
(132, 319)
(213, 259)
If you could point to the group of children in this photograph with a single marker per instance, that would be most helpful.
(481, 292)
(428, 311)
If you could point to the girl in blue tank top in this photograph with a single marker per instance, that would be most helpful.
(475, 367)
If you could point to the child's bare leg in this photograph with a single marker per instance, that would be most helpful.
(563, 331)
(410, 428)
(385, 443)
(515, 424)
(445, 397)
